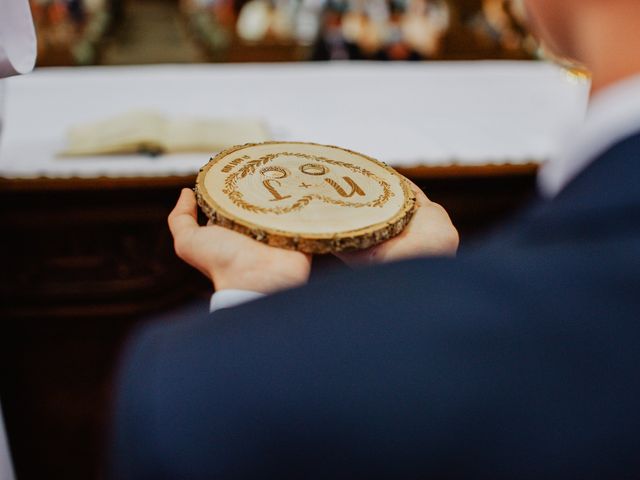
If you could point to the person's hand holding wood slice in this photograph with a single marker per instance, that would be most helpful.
(429, 233)
(232, 260)
(235, 261)
(273, 204)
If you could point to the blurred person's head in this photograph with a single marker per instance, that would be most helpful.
(602, 34)
(549, 20)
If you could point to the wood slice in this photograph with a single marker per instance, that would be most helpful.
(304, 196)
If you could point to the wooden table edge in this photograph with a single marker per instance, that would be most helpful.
(421, 172)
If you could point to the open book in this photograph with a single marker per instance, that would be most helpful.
(154, 133)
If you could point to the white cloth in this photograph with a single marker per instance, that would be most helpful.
(429, 113)
(612, 115)
(17, 38)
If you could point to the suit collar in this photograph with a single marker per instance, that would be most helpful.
(613, 115)
(602, 201)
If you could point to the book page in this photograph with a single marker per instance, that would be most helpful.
(128, 133)
(211, 135)
(148, 131)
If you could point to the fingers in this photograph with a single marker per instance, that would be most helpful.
(433, 224)
(183, 219)
(420, 195)
(426, 206)
(429, 233)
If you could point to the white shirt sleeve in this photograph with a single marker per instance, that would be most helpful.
(231, 298)
(17, 38)
(6, 470)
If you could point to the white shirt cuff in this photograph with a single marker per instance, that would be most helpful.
(231, 298)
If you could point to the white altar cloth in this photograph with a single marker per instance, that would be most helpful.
(406, 114)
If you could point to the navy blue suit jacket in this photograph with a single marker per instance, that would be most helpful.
(519, 359)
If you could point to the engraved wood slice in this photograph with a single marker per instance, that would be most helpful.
(303, 196)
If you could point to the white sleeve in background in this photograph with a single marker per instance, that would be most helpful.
(17, 38)
(17, 55)
(6, 470)
(231, 298)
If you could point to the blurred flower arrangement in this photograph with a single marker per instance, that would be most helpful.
(70, 31)
(284, 28)
(367, 29)
(380, 29)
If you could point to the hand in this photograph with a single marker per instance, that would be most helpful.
(429, 233)
(231, 259)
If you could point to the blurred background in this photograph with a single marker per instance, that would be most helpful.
(87, 256)
(110, 32)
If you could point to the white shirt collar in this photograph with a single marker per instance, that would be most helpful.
(613, 114)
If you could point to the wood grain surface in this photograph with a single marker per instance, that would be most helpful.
(304, 196)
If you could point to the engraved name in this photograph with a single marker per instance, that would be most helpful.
(273, 175)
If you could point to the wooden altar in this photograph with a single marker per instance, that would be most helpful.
(86, 261)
